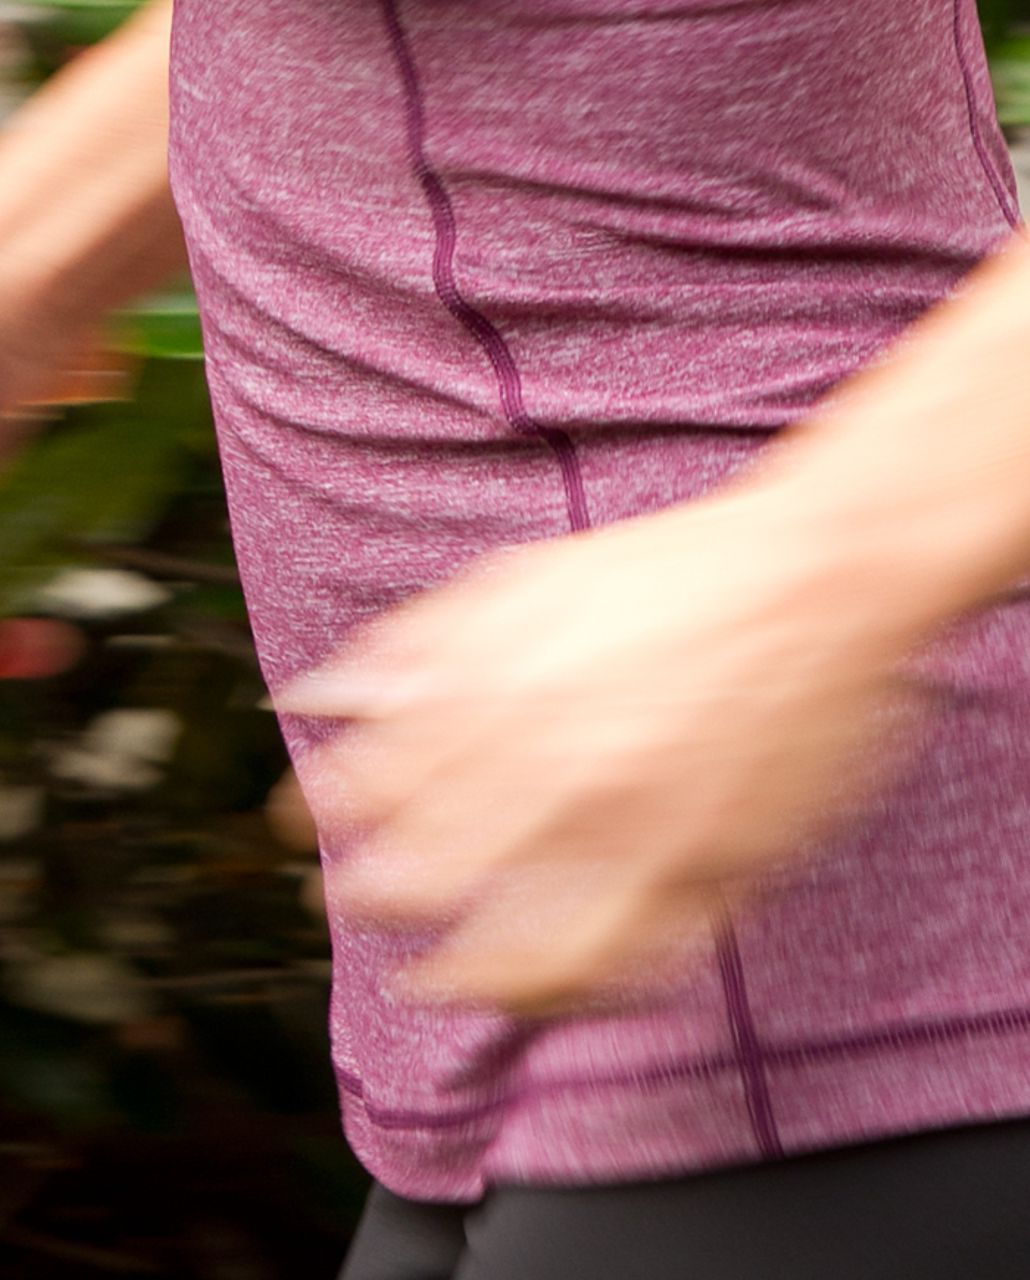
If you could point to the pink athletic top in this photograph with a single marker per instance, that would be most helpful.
(474, 272)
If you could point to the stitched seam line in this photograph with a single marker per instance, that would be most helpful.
(1000, 192)
(745, 1038)
(802, 1054)
(750, 1057)
(509, 384)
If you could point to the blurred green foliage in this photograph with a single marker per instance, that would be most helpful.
(52, 28)
(1006, 27)
(166, 1103)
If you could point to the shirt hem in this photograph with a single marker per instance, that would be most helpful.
(677, 1118)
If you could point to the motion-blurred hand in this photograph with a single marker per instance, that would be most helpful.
(60, 366)
(577, 752)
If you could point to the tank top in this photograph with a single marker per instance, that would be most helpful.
(476, 272)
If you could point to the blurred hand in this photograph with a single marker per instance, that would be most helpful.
(577, 753)
(288, 815)
(59, 365)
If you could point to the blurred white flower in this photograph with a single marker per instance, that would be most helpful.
(85, 985)
(99, 593)
(120, 750)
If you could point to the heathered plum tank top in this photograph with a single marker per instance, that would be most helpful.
(475, 272)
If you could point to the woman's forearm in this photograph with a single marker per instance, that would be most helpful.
(86, 216)
(912, 484)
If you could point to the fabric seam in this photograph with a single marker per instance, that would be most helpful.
(750, 1057)
(1001, 193)
(798, 1055)
(509, 383)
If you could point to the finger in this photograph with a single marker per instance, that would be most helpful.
(329, 777)
(547, 945)
(397, 658)
(373, 887)
(494, 806)
(437, 850)
(471, 775)
(289, 815)
(359, 684)
(427, 769)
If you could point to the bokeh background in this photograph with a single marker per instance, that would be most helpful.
(167, 1107)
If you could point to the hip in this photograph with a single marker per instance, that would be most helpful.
(943, 1205)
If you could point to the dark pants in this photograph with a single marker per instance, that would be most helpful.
(949, 1205)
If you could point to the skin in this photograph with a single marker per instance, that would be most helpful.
(97, 135)
(711, 687)
(614, 786)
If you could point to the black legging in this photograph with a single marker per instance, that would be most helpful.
(949, 1205)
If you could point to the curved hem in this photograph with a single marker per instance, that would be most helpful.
(582, 1132)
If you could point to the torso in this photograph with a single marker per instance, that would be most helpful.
(474, 272)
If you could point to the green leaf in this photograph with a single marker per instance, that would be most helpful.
(105, 474)
(165, 325)
(1010, 71)
(995, 18)
(52, 29)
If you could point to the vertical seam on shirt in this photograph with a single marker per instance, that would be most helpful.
(1000, 192)
(509, 384)
(745, 1038)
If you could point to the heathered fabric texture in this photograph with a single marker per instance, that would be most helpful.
(473, 272)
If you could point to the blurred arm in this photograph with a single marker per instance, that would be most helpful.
(912, 485)
(86, 214)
